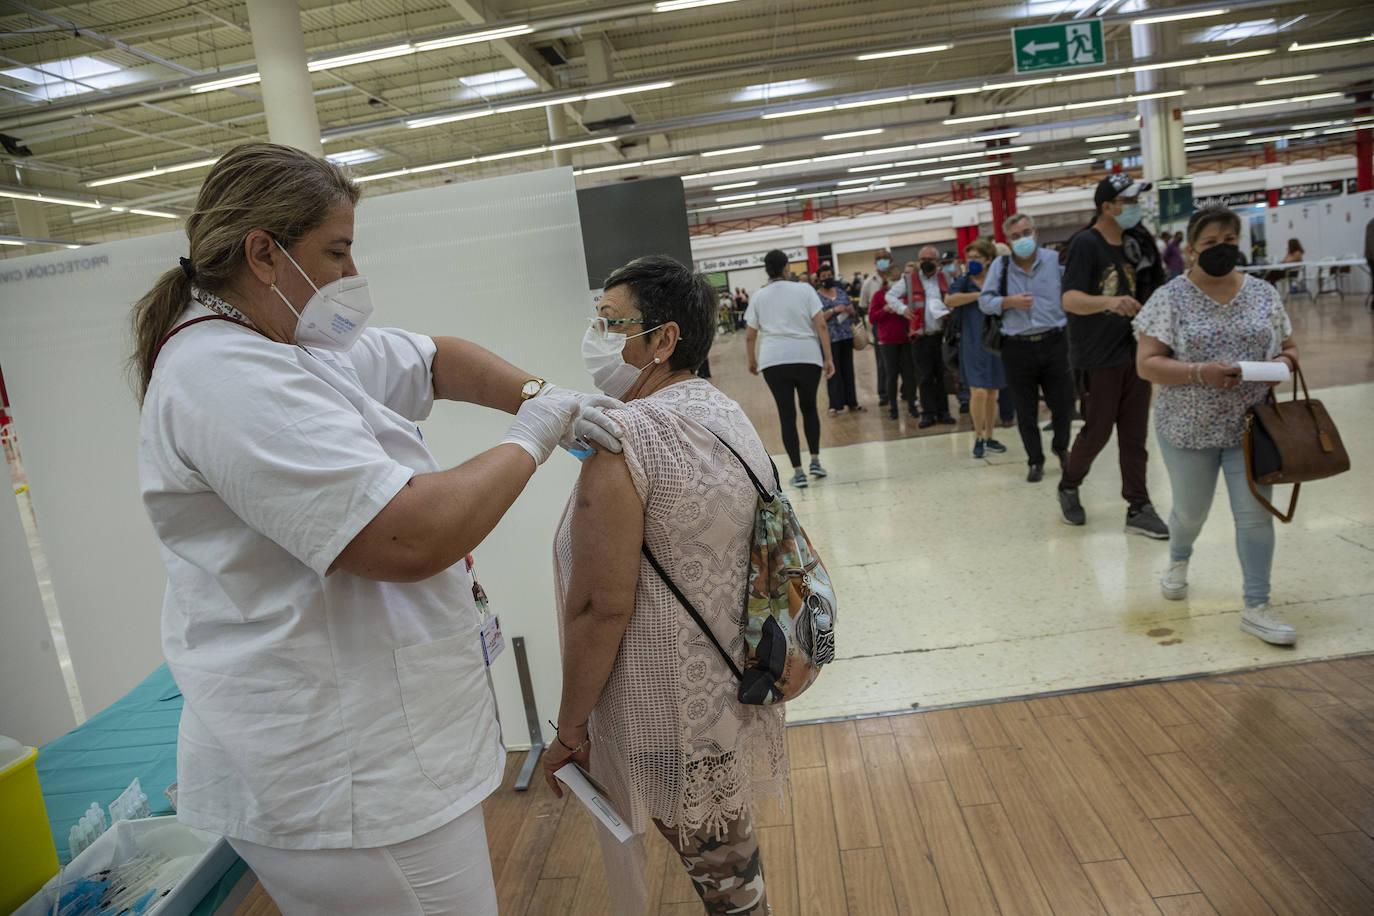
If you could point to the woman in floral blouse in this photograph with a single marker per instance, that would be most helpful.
(1191, 334)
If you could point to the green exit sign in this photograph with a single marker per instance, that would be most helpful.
(1064, 44)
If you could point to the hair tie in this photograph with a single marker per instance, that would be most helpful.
(187, 268)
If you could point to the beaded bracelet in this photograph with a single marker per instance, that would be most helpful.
(576, 750)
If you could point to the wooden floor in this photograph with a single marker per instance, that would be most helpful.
(1235, 794)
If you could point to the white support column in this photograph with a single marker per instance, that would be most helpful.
(33, 220)
(1161, 121)
(558, 132)
(279, 48)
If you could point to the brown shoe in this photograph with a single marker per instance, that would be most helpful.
(1036, 473)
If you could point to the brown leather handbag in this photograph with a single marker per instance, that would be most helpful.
(1291, 442)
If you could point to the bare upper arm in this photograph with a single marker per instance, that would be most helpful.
(607, 531)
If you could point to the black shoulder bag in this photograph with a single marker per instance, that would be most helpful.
(992, 324)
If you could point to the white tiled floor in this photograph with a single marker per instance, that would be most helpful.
(959, 582)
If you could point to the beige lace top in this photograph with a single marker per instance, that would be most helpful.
(669, 739)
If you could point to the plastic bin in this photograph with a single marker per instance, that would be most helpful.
(27, 856)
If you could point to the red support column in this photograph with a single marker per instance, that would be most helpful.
(813, 259)
(1272, 196)
(999, 210)
(1008, 192)
(1364, 149)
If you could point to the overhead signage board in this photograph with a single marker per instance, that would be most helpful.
(1063, 44)
(740, 262)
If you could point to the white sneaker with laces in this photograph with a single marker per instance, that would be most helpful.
(1263, 622)
(1174, 585)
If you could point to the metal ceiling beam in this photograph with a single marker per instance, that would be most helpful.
(181, 86)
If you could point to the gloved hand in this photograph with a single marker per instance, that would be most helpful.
(592, 426)
(555, 415)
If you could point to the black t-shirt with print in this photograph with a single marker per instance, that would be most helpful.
(1098, 268)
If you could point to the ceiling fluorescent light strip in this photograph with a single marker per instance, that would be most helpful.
(766, 192)
(642, 163)
(1106, 138)
(734, 184)
(1058, 165)
(941, 93)
(888, 100)
(1312, 46)
(1274, 80)
(1239, 106)
(668, 6)
(510, 31)
(361, 57)
(853, 133)
(246, 79)
(798, 112)
(627, 90)
(448, 119)
(733, 149)
(1210, 126)
(50, 199)
(1176, 17)
(904, 52)
(149, 173)
(378, 176)
(158, 213)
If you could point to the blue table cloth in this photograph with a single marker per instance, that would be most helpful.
(135, 737)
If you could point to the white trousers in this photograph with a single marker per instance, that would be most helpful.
(446, 872)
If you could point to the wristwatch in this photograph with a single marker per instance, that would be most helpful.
(531, 388)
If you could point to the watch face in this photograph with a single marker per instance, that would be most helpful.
(531, 388)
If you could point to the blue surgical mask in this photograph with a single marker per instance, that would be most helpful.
(975, 268)
(1023, 247)
(1129, 217)
(883, 263)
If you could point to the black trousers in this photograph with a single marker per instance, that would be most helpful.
(930, 375)
(840, 386)
(880, 358)
(799, 381)
(897, 362)
(1032, 367)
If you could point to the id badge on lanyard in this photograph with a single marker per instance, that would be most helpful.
(488, 625)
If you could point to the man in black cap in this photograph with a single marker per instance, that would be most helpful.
(1111, 268)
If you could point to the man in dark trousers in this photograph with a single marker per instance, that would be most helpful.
(925, 292)
(1112, 267)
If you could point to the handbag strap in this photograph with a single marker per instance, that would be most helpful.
(764, 495)
(672, 587)
(1247, 447)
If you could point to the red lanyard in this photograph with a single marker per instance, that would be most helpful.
(183, 326)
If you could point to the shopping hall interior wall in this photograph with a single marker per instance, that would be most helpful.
(79, 421)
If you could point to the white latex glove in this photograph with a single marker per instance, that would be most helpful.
(592, 426)
(543, 421)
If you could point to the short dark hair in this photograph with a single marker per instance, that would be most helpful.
(1208, 216)
(664, 290)
(775, 262)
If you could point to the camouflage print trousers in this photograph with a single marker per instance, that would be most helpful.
(726, 871)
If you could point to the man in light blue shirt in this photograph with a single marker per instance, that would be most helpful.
(1025, 291)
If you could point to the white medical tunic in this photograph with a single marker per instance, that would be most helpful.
(322, 710)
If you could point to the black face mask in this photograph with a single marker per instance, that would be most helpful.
(1219, 260)
(927, 267)
(828, 283)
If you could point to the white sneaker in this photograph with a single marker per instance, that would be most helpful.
(1174, 585)
(1264, 623)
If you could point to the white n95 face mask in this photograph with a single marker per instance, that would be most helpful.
(603, 355)
(335, 316)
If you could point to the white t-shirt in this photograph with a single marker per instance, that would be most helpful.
(783, 312)
(321, 711)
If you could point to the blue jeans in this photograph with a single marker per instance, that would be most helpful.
(1193, 477)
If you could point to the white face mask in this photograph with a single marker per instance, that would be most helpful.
(335, 316)
(603, 355)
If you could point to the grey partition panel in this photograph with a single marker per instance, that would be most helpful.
(631, 219)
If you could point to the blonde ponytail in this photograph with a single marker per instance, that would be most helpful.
(154, 316)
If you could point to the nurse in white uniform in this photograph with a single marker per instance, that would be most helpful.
(337, 726)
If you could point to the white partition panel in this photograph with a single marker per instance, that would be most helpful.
(63, 342)
(34, 708)
(499, 262)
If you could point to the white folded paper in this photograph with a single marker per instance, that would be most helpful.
(1264, 372)
(594, 797)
